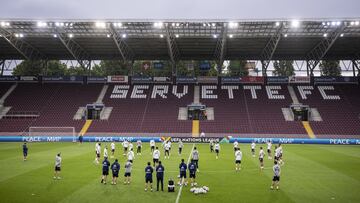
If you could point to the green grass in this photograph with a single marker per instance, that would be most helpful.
(312, 173)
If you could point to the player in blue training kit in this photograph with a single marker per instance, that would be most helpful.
(115, 168)
(105, 170)
(25, 151)
(148, 176)
(182, 178)
(160, 176)
(192, 172)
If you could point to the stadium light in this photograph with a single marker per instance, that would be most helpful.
(177, 24)
(295, 23)
(277, 24)
(177, 36)
(204, 24)
(117, 24)
(323, 23)
(161, 36)
(108, 35)
(58, 24)
(325, 35)
(19, 35)
(342, 35)
(5, 24)
(41, 24)
(231, 36)
(215, 36)
(213, 24)
(158, 24)
(233, 25)
(100, 24)
(123, 35)
(357, 23)
(338, 23)
(55, 35)
(333, 23)
(285, 35)
(71, 35)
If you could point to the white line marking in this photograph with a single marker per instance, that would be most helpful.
(187, 163)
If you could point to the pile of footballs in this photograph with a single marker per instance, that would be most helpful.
(200, 190)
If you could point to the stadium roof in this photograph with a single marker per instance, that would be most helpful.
(180, 40)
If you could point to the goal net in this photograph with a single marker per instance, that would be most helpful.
(53, 132)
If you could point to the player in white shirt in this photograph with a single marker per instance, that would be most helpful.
(238, 157)
(181, 146)
(217, 149)
(131, 155)
(167, 150)
(253, 145)
(276, 178)
(156, 156)
(279, 151)
(269, 149)
(131, 146)
(139, 146)
(97, 152)
(112, 145)
(261, 158)
(105, 152)
(169, 142)
(125, 144)
(236, 145)
(152, 146)
(211, 145)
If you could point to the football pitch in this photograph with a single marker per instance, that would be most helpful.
(311, 173)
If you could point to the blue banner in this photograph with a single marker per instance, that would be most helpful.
(336, 80)
(298, 141)
(8, 78)
(71, 139)
(205, 66)
(158, 65)
(190, 139)
(141, 79)
(186, 80)
(278, 80)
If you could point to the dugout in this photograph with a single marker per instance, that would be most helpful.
(93, 111)
(197, 112)
(301, 112)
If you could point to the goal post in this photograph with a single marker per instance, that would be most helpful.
(53, 132)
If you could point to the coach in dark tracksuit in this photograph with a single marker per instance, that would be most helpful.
(160, 176)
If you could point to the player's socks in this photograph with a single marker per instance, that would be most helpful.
(54, 177)
(272, 187)
(102, 180)
(277, 187)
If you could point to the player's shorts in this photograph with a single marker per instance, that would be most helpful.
(97, 155)
(217, 151)
(276, 158)
(238, 161)
(131, 161)
(269, 151)
(148, 180)
(152, 147)
(211, 147)
(25, 153)
(182, 174)
(115, 175)
(192, 175)
(156, 160)
(235, 148)
(125, 148)
(57, 168)
(261, 160)
(139, 147)
(280, 155)
(105, 173)
(276, 178)
(127, 174)
(167, 151)
(252, 150)
(112, 150)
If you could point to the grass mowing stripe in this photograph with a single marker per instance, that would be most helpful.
(180, 189)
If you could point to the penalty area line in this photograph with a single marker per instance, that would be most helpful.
(182, 185)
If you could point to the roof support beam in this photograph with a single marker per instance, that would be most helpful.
(220, 50)
(24, 48)
(126, 53)
(172, 49)
(356, 65)
(2, 64)
(319, 51)
(269, 50)
(79, 53)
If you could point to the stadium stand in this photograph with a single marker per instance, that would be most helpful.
(250, 117)
(242, 113)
